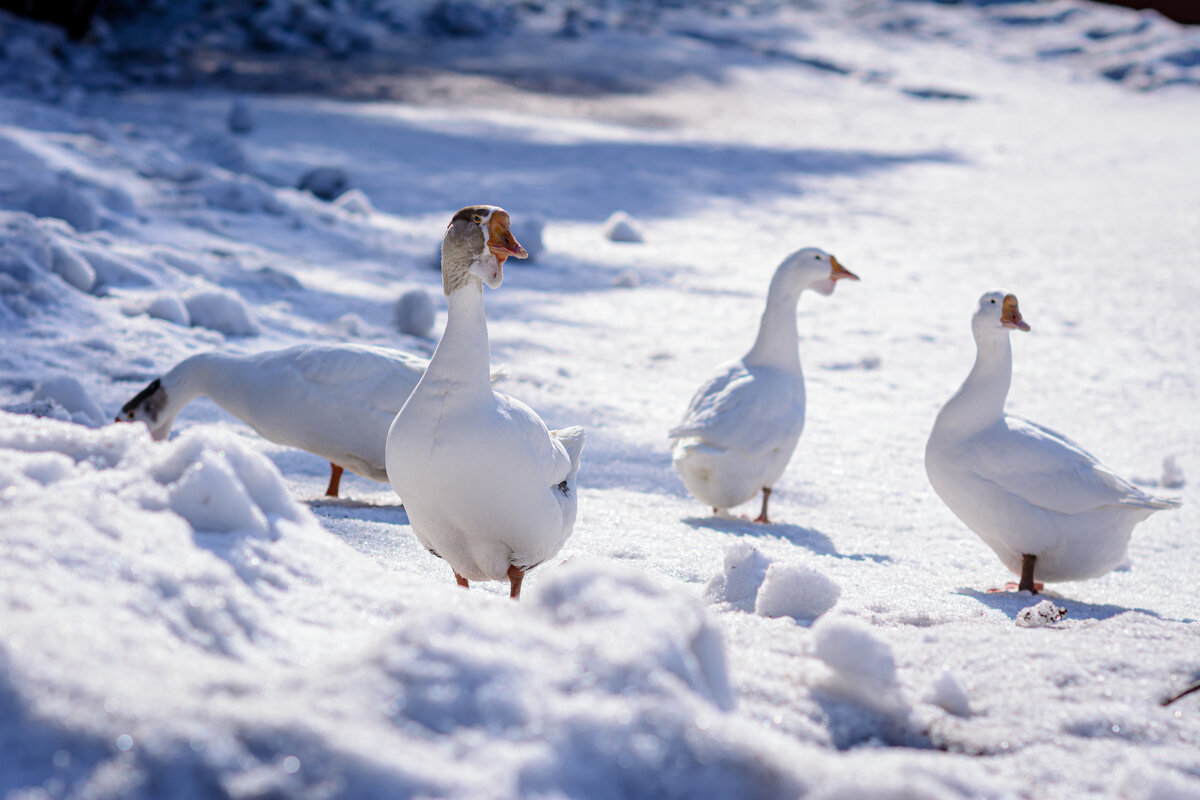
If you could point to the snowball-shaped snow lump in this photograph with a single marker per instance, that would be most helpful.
(796, 591)
(740, 576)
(70, 394)
(169, 307)
(220, 310)
(72, 268)
(326, 183)
(853, 651)
(528, 231)
(621, 227)
(1040, 615)
(414, 313)
(947, 693)
(241, 117)
(355, 201)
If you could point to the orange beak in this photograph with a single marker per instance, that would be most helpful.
(1010, 315)
(501, 241)
(838, 272)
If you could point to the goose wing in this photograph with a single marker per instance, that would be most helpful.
(742, 408)
(1049, 470)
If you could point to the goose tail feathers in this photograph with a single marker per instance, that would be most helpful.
(572, 439)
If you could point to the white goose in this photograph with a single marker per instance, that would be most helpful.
(487, 487)
(742, 425)
(1035, 497)
(336, 401)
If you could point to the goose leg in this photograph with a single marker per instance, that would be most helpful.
(763, 516)
(335, 478)
(1027, 564)
(461, 581)
(515, 576)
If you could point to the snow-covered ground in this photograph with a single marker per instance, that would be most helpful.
(192, 618)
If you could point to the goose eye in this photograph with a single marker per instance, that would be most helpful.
(476, 218)
(993, 301)
(818, 258)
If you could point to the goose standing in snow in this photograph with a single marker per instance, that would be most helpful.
(1035, 497)
(335, 401)
(486, 485)
(742, 425)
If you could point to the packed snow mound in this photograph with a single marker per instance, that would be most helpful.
(69, 393)
(797, 591)
(852, 650)
(948, 694)
(414, 313)
(250, 623)
(221, 310)
(742, 572)
(620, 227)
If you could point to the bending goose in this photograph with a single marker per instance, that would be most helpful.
(486, 485)
(743, 423)
(1039, 500)
(336, 401)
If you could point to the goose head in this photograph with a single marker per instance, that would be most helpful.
(997, 314)
(810, 268)
(477, 243)
(150, 406)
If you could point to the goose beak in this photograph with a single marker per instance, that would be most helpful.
(837, 272)
(501, 242)
(1010, 315)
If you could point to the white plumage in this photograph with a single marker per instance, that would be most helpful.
(335, 401)
(487, 486)
(1038, 499)
(743, 423)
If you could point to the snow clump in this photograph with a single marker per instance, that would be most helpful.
(355, 201)
(220, 310)
(528, 231)
(621, 227)
(69, 393)
(72, 268)
(327, 183)
(862, 667)
(948, 694)
(241, 117)
(742, 573)
(1040, 615)
(414, 313)
(796, 591)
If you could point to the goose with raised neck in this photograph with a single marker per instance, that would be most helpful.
(487, 486)
(1046, 507)
(742, 425)
(336, 401)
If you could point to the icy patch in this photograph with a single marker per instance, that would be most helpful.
(620, 227)
(736, 585)
(1040, 615)
(948, 694)
(69, 393)
(414, 313)
(220, 310)
(796, 591)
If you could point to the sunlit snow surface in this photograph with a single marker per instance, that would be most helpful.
(192, 618)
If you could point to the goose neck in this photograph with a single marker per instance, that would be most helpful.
(778, 341)
(464, 351)
(979, 402)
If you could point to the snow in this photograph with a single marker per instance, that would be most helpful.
(195, 614)
(414, 313)
(797, 591)
(620, 227)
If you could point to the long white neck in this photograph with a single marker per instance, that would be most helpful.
(464, 353)
(778, 343)
(979, 402)
(196, 376)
